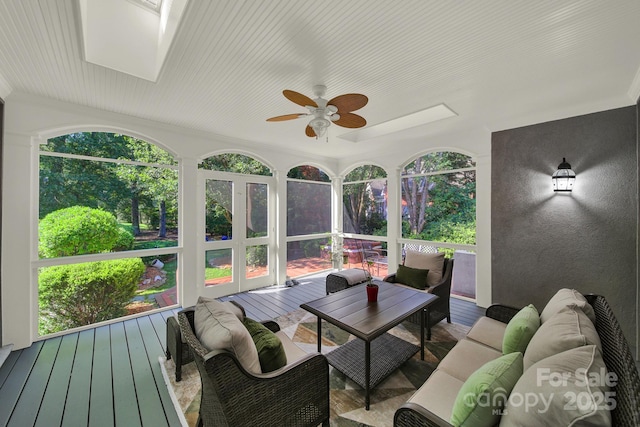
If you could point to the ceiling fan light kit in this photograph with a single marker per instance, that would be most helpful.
(319, 126)
(338, 110)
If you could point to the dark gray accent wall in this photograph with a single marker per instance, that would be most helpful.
(1, 160)
(542, 241)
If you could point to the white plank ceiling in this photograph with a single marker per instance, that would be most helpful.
(496, 63)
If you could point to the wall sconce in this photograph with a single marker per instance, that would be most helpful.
(564, 178)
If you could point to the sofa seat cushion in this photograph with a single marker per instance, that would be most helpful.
(466, 357)
(293, 352)
(484, 394)
(520, 330)
(574, 388)
(569, 328)
(438, 394)
(218, 328)
(567, 298)
(427, 261)
(488, 331)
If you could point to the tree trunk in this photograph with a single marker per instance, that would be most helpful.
(135, 215)
(163, 219)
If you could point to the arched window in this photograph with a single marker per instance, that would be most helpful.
(103, 193)
(439, 211)
(308, 214)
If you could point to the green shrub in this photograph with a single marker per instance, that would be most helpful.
(83, 294)
(125, 240)
(77, 230)
(452, 232)
(257, 256)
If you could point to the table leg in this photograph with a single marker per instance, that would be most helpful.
(319, 334)
(422, 325)
(367, 372)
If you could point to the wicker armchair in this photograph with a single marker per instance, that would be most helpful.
(439, 310)
(176, 348)
(295, 395)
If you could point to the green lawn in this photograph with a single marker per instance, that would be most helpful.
(215, 273)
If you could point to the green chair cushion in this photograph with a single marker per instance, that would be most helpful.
(270, 349)
(414, 277)
(484, 394)
(520, 330)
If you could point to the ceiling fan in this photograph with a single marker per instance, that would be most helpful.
(337, 110)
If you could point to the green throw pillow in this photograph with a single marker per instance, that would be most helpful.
(270, 349)
(485, 393)
(414, 277)
(520, 330)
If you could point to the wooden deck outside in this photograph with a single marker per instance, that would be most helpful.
(110, 375)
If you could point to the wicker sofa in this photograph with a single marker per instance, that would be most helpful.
(616, 381)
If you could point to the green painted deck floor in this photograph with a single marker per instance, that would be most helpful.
(110, 375)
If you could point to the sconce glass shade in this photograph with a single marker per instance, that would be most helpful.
(319, 126)
(564, 178)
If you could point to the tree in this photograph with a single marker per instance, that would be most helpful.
(66, 182)
(359, 200)
(237, 163)
(420, 186)
(160, 184)
(126, 190)
(219, 193)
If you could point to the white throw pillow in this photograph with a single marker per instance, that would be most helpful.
(571, 388)
(567, 298)
(567, 329)
(218, 328)
(228, 304)
(427, 261)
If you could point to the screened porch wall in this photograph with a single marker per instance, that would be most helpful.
(30, 120)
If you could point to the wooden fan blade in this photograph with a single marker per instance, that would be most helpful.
(309, 132)
(299, 98)
(286, 117)
(349, 102)
(350, 120)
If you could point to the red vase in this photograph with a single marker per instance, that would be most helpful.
(372, 293)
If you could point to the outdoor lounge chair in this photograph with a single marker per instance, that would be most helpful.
(294, 395)
(440, 309)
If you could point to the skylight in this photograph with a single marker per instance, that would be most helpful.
(429, 115)
(153, 5)
(145, 31)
